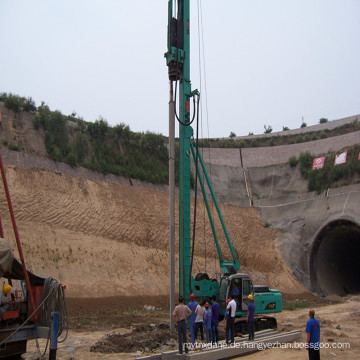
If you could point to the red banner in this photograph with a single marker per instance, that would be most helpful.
(341, 158)
(318, 163)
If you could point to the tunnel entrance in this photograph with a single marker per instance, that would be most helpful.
(335, 259)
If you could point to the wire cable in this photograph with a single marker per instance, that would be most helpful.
(199, 24)
(53, 300)
(203, 79)
(195, 195)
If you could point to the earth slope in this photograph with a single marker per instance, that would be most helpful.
(103, 238)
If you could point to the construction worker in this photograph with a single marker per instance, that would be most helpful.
(250, 317)
(180, 315)
(215, 320)
(229, 330)
(192, 306)
(207, 324)
(313, 336)
(5, 299)
(200, 312)
(235, 291)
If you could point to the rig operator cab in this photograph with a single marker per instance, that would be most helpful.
(240, 285)
(266, 300)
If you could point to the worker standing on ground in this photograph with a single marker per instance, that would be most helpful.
(250, 317)
(199, 321)
(192, 306)
(226, 317)
(229, 330)
(180, 315)
(215, 320)
(313, 336)
(207, 324)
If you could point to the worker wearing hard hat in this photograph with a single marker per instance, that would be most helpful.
(5, 299)
(251, 317)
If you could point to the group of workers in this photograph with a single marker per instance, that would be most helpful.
(202, 316)
(230, 315)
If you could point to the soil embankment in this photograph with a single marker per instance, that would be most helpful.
(102, 238)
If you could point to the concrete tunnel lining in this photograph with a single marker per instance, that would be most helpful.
(335, 259)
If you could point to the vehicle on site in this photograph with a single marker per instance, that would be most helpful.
(32, 307)
(266, 300)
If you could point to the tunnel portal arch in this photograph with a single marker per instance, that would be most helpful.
(335, 258)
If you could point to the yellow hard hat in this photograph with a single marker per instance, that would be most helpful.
(6, 289)
(250, 297)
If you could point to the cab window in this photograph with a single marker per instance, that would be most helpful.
(247, 288)
(223, 288)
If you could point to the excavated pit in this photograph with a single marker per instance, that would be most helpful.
(335, 259)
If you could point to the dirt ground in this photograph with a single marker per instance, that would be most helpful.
(120, 328)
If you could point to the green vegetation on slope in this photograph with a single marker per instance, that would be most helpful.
(330, 175)
(97, 146)
(18, 103)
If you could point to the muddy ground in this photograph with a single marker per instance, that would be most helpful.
(121, 328)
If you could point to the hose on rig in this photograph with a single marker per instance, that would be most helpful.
(54, 300)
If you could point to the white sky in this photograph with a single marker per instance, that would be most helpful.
(267, 62)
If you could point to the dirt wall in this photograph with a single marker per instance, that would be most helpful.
(98, 237)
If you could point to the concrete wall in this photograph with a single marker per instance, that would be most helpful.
(280, 193)
(300, 222)
(266, 170)
(266, 156)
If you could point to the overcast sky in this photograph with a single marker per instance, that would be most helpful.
(268, 62)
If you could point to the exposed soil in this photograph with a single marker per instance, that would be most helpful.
(144, 337)
(109, 244)
(115, 311)
(101, 238)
